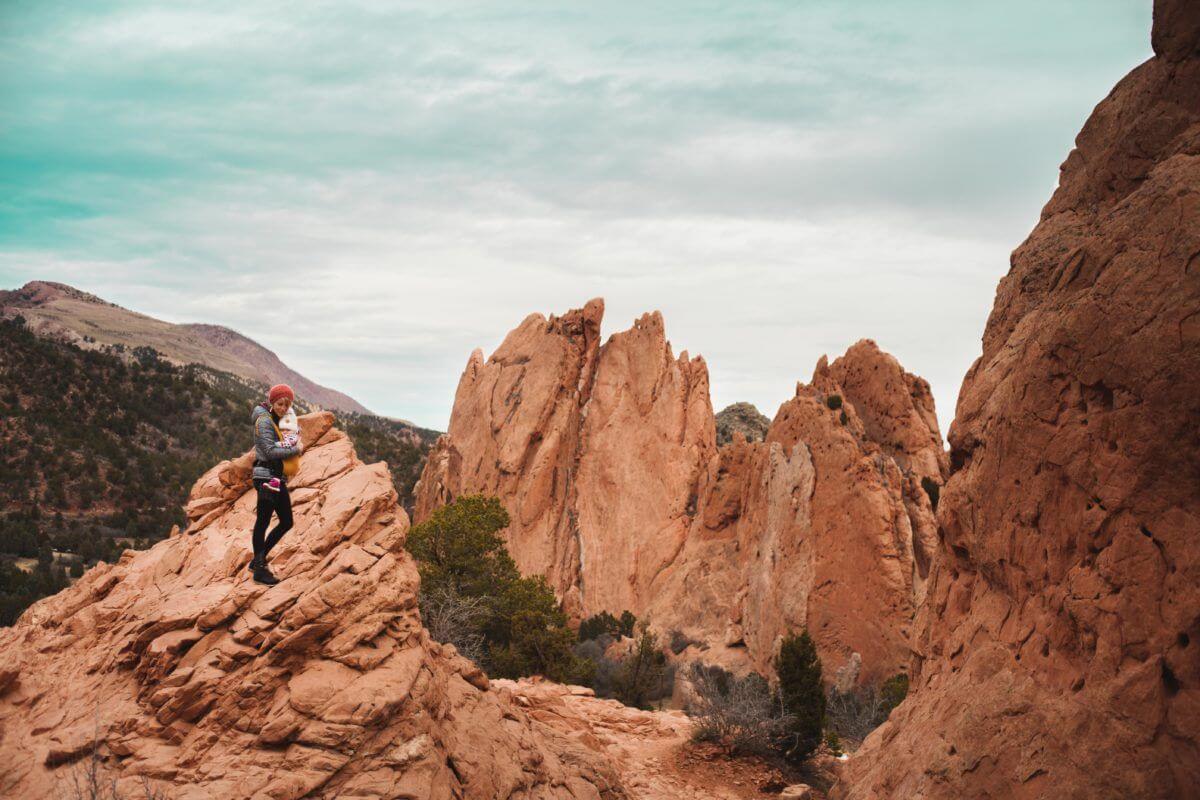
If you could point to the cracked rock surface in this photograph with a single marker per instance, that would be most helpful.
(1059, 652)
(173, 665)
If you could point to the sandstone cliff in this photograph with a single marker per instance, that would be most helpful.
(607, 458)
(174, 666)
(1059, 655)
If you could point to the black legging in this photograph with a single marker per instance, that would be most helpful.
(269, 502)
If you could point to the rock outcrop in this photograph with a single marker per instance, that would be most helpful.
(606, 457)
(1059, 654)
(172, 665)
(741, 418)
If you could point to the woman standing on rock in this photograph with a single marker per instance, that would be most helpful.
(274, 462)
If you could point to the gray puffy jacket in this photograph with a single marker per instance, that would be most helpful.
(268, 454)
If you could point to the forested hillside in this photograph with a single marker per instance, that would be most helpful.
(99, 448)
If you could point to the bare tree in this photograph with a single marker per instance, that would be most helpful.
(744, 714)
(452, 618)
(853, 714)
(91, 780)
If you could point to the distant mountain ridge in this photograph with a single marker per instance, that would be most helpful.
(88, 321)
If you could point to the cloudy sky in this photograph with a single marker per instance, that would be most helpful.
(374, 189)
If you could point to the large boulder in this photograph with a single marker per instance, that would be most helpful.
(1059, 653)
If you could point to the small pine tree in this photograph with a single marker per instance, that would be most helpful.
(460, 547)
(599, 625)
(799, 671)
(643, 672)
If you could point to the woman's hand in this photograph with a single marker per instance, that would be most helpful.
(299, 448)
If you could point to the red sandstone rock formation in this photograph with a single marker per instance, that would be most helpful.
(174, 666)
(606, 457)
(1059, 656)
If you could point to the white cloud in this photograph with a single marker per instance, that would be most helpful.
(374, 190)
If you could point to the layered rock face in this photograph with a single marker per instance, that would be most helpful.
(606, 456)
(1059, 656)
(172, 665)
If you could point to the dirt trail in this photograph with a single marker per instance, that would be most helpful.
(652, 750)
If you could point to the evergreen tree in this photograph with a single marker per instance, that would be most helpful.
(803, 696)
(460, 553)
(459, 547)
(642, 672)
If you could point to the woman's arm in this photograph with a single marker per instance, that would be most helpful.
(266, 445)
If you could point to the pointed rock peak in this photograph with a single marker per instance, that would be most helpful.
(866, 354)
(652, 320)
(580, 321)
(593, 310)
(822, 367)
(474, 364)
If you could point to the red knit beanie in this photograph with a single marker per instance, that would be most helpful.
(281, 390)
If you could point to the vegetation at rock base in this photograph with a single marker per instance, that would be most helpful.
(512, 625)
(644, 675)
(855, 713)
(743, 714)
(605, 623)
(747, 714)
(19, 589)
(802, 694)
(834, 401)
(473, 596)
(641, 677)
(99, 449)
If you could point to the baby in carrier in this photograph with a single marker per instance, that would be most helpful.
(289, 428)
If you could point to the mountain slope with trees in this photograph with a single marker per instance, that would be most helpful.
(99, 448)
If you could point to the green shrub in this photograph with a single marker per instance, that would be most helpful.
(644, 675)
(605, 624)
(799, 671)
(893, 692)
(474, 597)
(599, 625)
(834, 401)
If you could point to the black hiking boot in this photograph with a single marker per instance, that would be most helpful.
(255, 564)
(263, 575)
